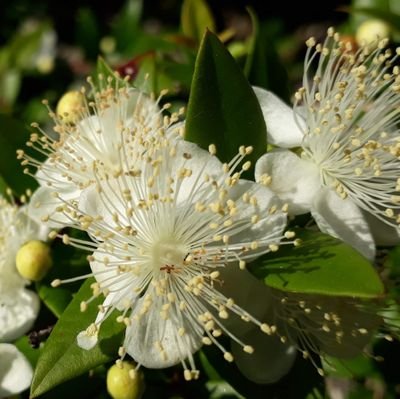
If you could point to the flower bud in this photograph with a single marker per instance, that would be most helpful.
(33, 260)
(371, 31)
(69, 105)
(124, 382)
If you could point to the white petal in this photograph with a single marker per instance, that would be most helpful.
(109, 277)
(15, 371)
(270, 361)
(43, 204)
(28, 228)
(294, 180)
(200, 162)
(282, 129)
(155, 343)
(251, 294)
(86, 341)
(18, 311)
(344, 220)
(270, 227)
(383, 234)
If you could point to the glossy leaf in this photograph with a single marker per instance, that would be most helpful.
(321, 265)
(56, 299)
(196, 17)
(61, 358)
(223, 108)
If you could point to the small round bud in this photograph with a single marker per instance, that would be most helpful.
(33, 260)
(123, 382)
(69, 105)
(371, 31)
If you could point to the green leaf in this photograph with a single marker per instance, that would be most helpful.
(56, 299)
(87, 31)
(104, 71)
(263, 66)
(223, 108)
(61, 359)
(360, 366)
(25, 347)
(10, 84)
(320, 265)
(196, 17)
(126, 25)
(13, 135)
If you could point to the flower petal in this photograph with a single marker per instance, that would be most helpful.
(342, 219)
(249, 293)
(15, 371)
(282, 129)
(294, 180)
(18, 311)
(200, 162)
(383, 234)
(43, 204)
(110, 278)
(155, 343)
(270, 361)
(270, 226)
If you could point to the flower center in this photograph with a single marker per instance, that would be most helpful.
(168, 254)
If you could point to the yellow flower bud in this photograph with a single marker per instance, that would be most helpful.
(69, 105)
(372, 30)
(123, 382)
(33, 260)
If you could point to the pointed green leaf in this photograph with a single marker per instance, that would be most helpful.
(320, 265)
(126, 25)
(223, 108)
(196, 17)
(263, 66)
(61, 358)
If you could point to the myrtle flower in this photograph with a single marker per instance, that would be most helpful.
(162, 238)
(347, 168)
(92, 134)
(15, 371)
(18, 306)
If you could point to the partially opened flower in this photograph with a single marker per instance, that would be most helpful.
(163, 237)
(92, 134)
(347, 170)
(18, 306)
(15, 371)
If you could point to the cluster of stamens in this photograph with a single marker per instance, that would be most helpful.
(352, 111)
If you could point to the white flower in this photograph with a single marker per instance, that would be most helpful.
(18, 306)
(103, 132)
(347, 170)
(163, 237)
(15, 371)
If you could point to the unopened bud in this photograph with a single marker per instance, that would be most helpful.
(371, 31)
(69, 106)
(33, 260)
(124, 382)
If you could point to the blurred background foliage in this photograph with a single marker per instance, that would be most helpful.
(48, 47)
